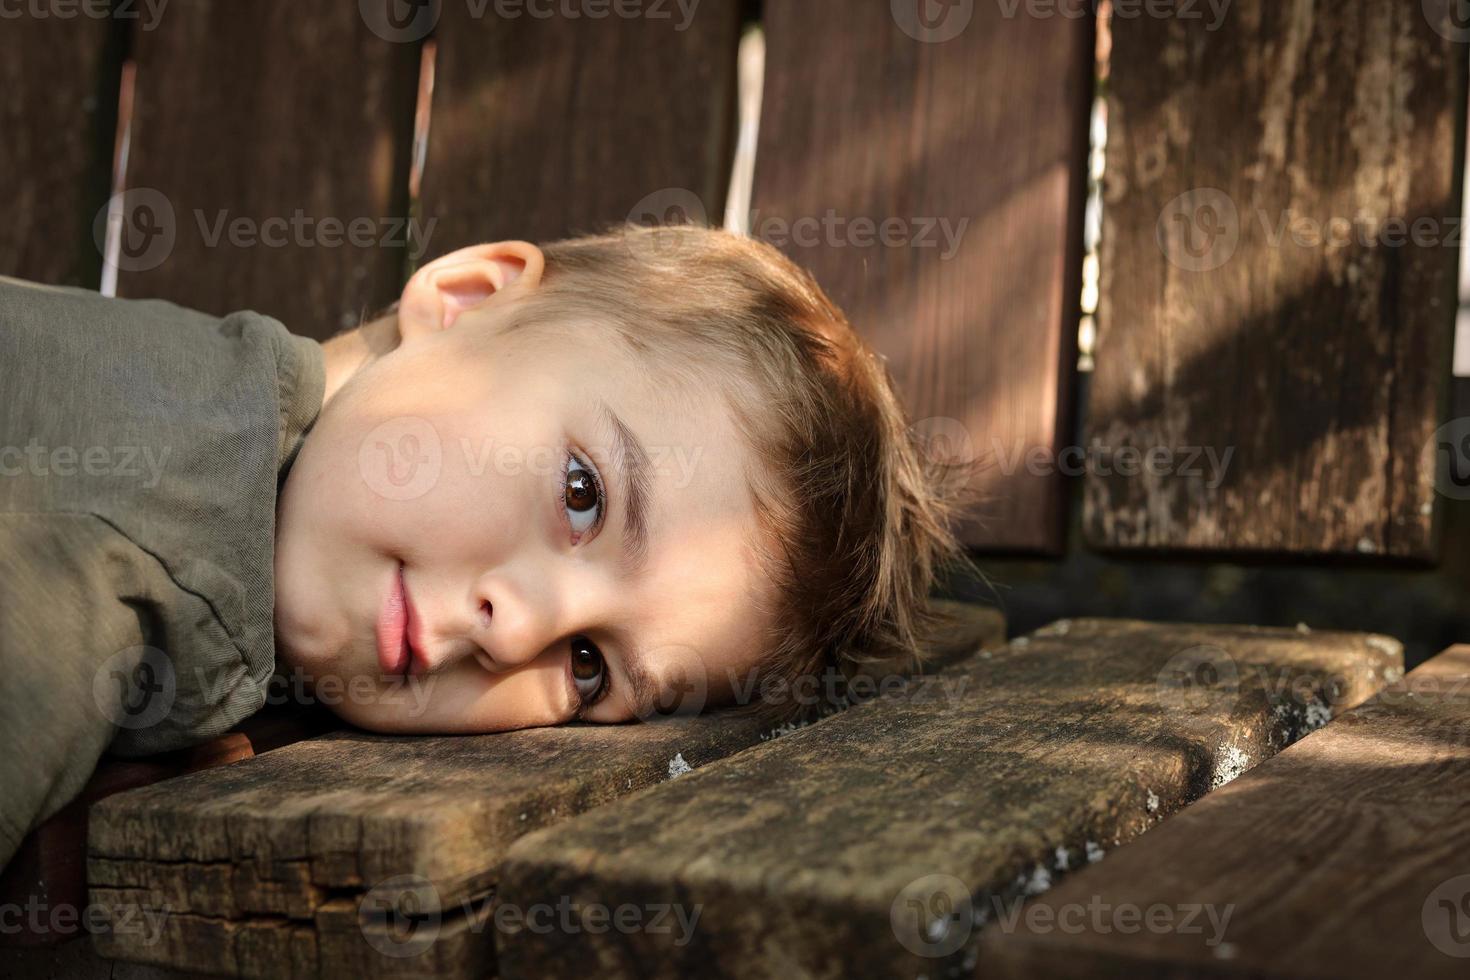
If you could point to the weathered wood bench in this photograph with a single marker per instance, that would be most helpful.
(292, 863)
(359, 856)
(50, 865)
(872, 844)
(1347, 855)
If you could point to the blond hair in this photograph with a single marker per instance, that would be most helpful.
(855, 516)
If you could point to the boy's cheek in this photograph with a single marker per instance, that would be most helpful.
(466, 703)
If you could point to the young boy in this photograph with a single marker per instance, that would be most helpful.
(647, 471)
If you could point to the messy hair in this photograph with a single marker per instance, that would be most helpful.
(855, 515)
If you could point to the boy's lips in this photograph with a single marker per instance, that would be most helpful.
(396, 628)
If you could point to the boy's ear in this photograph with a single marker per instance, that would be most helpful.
(439, 292)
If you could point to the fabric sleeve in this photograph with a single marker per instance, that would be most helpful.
(75, 598)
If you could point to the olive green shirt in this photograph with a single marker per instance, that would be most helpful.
(142, 446)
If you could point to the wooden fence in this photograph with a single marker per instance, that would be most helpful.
(1278, 250)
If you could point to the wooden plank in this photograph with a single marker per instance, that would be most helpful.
(1342, 857)
(549, 125)
(329, 852)
(1278, 279)
(934, 185)
(58, 113)
(860, 846)
(270, 156)
(49, 867)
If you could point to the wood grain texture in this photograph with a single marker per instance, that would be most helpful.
(1344, 857)
(935, 190)
(816, 854)
(294, 119)
(49, 866)
(247, 859)
(549, 126)
(58, 113)
(1265, 291)
(309, 860)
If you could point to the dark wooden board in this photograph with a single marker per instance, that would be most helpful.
(252, 853)
(258, 113)
(862, 845)
(58, 114)
(1343, 857)
(548, 126)
(1253, 300)
(49, 866)
(984, 134)
(291, 863)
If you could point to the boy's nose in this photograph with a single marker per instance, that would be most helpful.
(512, 631)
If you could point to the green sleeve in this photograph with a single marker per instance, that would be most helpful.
(76, 604)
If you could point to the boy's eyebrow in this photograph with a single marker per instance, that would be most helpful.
(635, 488)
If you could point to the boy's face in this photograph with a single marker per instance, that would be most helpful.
(481, 477)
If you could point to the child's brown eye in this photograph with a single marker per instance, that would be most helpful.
(588, 670)
(581, 496)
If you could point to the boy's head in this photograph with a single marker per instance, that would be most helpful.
(643, 471)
